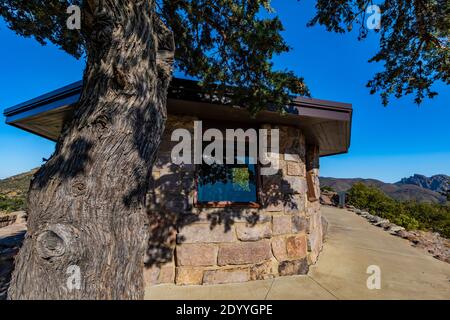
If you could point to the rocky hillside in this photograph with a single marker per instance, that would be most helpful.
(13, 191)
(439, 183)
(400, 190)
(17, 184)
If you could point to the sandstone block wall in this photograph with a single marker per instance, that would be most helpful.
(192, 245)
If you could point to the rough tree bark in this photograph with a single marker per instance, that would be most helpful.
(86, 205)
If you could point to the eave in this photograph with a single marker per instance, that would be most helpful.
(326, 123)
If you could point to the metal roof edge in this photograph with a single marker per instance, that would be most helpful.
(71, 89)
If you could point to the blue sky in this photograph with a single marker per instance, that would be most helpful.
(387, 143)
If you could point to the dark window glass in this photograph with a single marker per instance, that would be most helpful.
(227, 182)
(231, 183)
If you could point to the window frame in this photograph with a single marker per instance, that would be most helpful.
(207, 124)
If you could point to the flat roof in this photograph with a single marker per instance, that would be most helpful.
(326, 123)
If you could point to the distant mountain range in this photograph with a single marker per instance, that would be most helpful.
(417, 187)
(439, 183)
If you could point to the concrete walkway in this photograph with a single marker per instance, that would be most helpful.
(12, 234)
(352, 245)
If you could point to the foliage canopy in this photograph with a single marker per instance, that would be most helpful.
(232, 42)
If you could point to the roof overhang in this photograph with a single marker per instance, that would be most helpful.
(325, 123)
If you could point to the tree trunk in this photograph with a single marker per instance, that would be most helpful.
(87, 205)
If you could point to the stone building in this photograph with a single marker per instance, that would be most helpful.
(205, 226)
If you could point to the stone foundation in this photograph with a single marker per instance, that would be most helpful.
(191, 245)
(8, 219)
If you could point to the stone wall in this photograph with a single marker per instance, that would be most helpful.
(192, 245)
(7, 219)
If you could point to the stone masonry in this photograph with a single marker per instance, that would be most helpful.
(190, 245)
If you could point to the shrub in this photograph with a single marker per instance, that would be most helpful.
(10, 204)
(408, 214)
(406, 221)
(327, 188)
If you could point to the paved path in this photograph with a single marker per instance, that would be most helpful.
(11, 238)
(12, 234)
(352, 245)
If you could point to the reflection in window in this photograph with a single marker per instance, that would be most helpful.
(227, 183)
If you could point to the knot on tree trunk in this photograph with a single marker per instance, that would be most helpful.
(50, 244)
(59, 242)
(79, 188)
(122, 80)
(101, 125)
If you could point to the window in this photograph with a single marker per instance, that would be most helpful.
(228, 184)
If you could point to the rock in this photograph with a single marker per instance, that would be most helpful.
(381, 222)
(292, 157)
(211, 215)
(431, 242)
(244, 252)
(402, 233)
(295, 204)
(226, 276)
(324, 228)
(271, 183)
(439, 183)
(296, 246)
(287, 268)
(196, 254)
(407, 235)
(279, 248)
(151, 275)
(189, 275)
(253, 233)
(293, 184)
(395, 228)
(275, 206)
(21, 217)
(299, 224)
(263, 271)
(294, 168)
(8, 219)
(325, 200)
(166, 274)
(385, 225)
(281, 224)
(329, 198)
(195, 233)
(314, 242)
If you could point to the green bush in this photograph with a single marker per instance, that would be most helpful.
(10, 204)
(327, 188)
(408, 214)
(406, 221)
